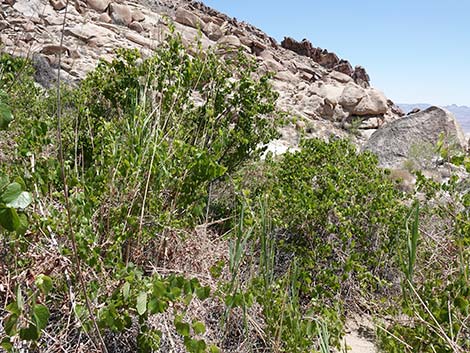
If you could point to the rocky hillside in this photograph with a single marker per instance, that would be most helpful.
(324, 93)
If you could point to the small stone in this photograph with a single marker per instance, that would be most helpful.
(27, 37)
(58, 4)
(136, 26)
(74, 54)
(300, 125)
(54, 50)
(28, 27)
(5, 40)
(79, 7)
(3, 25)
(53, 20)
(95, 42)
(104, 17)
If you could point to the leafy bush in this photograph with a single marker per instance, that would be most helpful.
(342, 215)
(143, 141)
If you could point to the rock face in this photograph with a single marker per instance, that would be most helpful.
(397, 142)
(316, 87)
(327, 59)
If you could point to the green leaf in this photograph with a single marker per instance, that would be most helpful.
(41, 315)
(30, 333)
(23, 224)
(13, 308)
(44, 283)
(214, 349)
(126, 288)
(199, 328)
(6, 344)
(6, 115)
(203, 293)
(182, 328)
(9, 219)
(23, 200)
(11, 193)
(141, 303)
(157, 306)
(10, 324)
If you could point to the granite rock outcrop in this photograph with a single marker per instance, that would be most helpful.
(314, 85)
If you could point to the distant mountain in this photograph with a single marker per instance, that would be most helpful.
(461, 112)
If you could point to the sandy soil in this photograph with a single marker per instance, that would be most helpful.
(360, 336)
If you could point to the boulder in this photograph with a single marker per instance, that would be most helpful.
(136, 26)
(361, 77)
(30, 8)
(373, 103)
(212, 31)
(98, 5)
(393, 142)
(121, 14)
(230, 41)
(138, 16)
(58, 4)
(351, 96)
(187, 18)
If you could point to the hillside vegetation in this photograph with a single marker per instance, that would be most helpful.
(136, 214)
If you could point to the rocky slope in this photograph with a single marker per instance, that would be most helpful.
(324, 93)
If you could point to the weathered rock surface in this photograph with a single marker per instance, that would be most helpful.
(322, 91)
(327, 59)
(98, 5)
(394, 142)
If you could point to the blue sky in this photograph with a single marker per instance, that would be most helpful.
(416, 51)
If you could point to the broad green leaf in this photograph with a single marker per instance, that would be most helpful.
(44, 283)
(157, 306)
(13, 308)
(214, 349)
(6, 344)
(126, 290)
(141, 303)
(10, 324)
(30, 333)
(199, 328)
(22, 201)
(9, 219)
(182, 328)
(23, 224)
(40, 316)
(203, 293)
(11, 193)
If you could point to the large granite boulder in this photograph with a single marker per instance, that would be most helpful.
(398, 141)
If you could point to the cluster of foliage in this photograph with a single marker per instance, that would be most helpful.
(143, 140)
(436, 287)
(154, 147)
(339, 217)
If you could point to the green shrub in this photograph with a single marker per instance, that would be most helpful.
(436, 300)
(343, 216)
